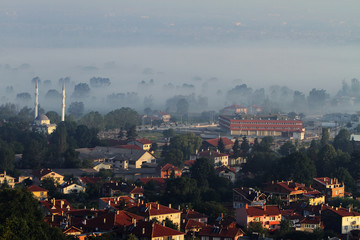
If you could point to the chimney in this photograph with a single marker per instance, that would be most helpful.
(52, 218)
(84, 222)
(61, 204)
(246, 206)
(4, 173)
(179, 207)
(169, 205)
(143, 230)
(149, 206)
(63, 103)
(265, 208)
(157, 206)
(104, 220)
(138, 202)
(133, 220)
(53, 201)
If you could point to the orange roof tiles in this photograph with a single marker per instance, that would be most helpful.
(215, 141)
(267, 210)
(34, 188)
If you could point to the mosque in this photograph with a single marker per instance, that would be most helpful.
(42, 122)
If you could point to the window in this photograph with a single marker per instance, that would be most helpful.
(272, 218)
(257, 219)
(204, 238)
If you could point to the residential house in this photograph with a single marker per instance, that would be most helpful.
(310, 223)
(157, 211)
(226, 172)
(39, 193)
(146, 230)
(68, 188)
(216, 157)
(249, 196)
(113, 188)
(116, 203)
(187, 166)
(144, 144)
(102, 166)
(331, 187)
(168, 170)
(219, 233)
(55, 206)
(89, 180)
(212, 144)
(315, 197)
(268, 215)
(287, 191)
(339, 219)
(192, 227)
(236, 161)
(4, 178)
(40, 175)
(188, 214)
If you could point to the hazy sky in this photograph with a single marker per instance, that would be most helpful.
(301, 44)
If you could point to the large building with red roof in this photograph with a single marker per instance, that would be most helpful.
(168, 170)
(288, 191)
(260, 126)
(268, 215)
(213, 143)
(339, 219)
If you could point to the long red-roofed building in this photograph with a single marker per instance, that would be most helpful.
(260, 126)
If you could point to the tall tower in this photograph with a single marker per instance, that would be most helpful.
(63, 103)
(36, 99)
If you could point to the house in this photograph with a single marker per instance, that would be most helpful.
(226, 172)
(187, 166)
(234, 110)
(213, 144)
(157, 211)
(168, 170)
(236, 161)
(192, 227)
(89, 180)
(146, 230)
(113, 188)
(216, 157)
(39, 193)
(144, 144)
(188, 214)
(219, 233)
(287, 191)
(120, 158)
(40, 175)
(68, 188)
(331, 187)
(100, 166)
(4, 178)
(268, 215)
(310, 223)
(250, 196)
(116, 203)
(314, 197)
(339, 219)
(55, 206)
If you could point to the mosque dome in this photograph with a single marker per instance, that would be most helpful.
(42, 117)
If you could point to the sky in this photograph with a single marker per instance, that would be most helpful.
(301, 44)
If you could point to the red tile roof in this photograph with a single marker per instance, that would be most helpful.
(327, 180)
(209, 153)
(169, 166)
(191, 214)
(152, 209)
(144, 141)
(34, 188)
(311, 220)
(150, 230)
(344, 212)
(116, 202)
(130, 146)
(225, 168)
(57, 206)
(92, 180)
(215, 141)
(194, 224)
(189, 162)
(155, 179)
(221, 232)
(287, 187)
(42, 172)
(267, 210)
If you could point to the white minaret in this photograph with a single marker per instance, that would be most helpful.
(36, 99)
(63, 103)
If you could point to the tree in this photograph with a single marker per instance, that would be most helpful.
(54, 117)
(342, 141)
(182, 107)
(317, 98)
(221, 146)
(287, 148)
(298, 167)
(169, 133)
(7, 157)
(245, 146)
(236, 148)
(187, 143)
(131, 133)
(256, 227)
(202, 170)
(154, 147)
(98, 82)
(76, 109)
(21, 218)
(326, 160)
(324, 137)
(81, 90)
(121, 118)
(93, 120)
